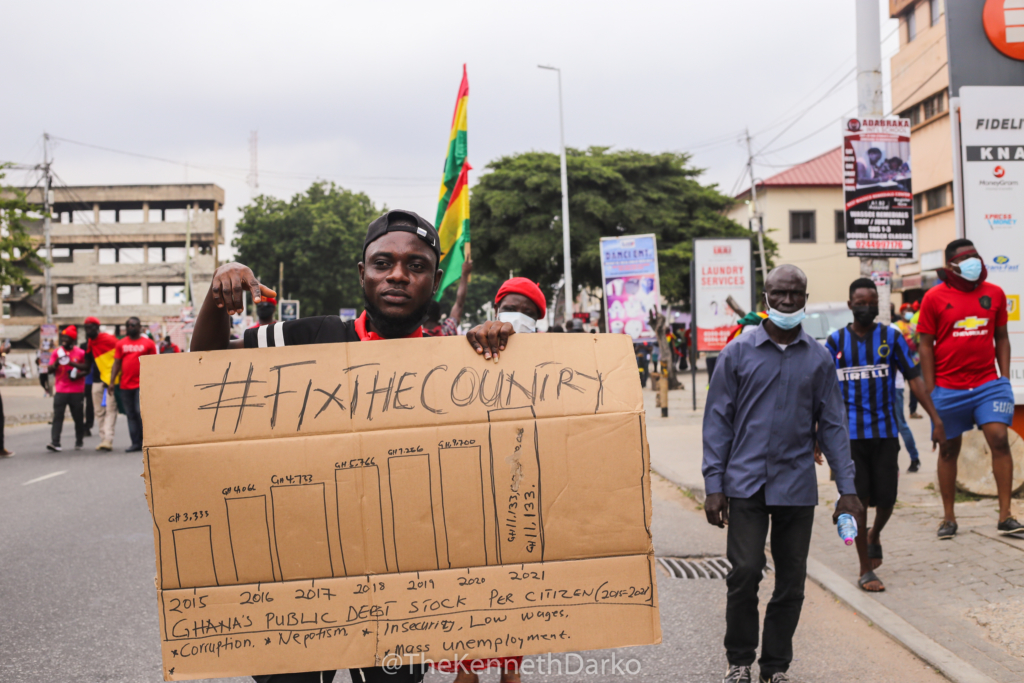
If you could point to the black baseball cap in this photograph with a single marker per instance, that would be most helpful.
(420, 227)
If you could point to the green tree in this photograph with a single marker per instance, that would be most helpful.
(18, 251)
(516, 210)
(318, 235)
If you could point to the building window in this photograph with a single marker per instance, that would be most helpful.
(65, 294)
(936, 198)
(914, 114)
(130, 255)
(918, 204)
(108, 256)
(935, 11)
(108, 295)
(935, 105)
(840, 226)
(801, 226)
(113, 295)
(911, 24)
(167, 294)
(174, 254)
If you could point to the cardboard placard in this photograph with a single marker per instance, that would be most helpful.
(356, 505)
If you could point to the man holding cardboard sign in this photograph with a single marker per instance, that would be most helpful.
(399, 275)
(390, 505)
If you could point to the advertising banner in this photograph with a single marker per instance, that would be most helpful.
(723, 269)
(992, 148)
(879, 200)
(629, 271)
(289, 310)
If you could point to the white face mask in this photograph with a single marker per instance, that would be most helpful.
(520, 322)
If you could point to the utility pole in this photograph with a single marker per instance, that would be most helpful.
(870, 104)
(566, 256)
(47, 292)
(188, 256)
(757, 214)
(253, 179)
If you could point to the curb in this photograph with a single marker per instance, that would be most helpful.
(896, 627)
(947, 663)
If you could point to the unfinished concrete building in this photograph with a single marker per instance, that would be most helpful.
(119, 251)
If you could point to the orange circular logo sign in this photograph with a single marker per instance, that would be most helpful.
(1004, 26)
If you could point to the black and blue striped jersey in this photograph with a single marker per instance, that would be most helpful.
(867, 377)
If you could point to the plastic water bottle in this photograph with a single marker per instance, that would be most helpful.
(847, 526)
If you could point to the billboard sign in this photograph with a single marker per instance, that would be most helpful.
(629, 271)
(992, 149)
(722, 269)
(289, 310)
(879, 199)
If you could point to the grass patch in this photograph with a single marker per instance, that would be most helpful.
(965, 497)
(929, 487)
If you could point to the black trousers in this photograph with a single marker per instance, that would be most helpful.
(60, 402)
(130, 398)
(369, 675)
(2, 423)
(791, 538)
(90, 414)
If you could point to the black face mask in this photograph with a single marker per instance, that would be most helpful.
(391, 327)
(865, 315)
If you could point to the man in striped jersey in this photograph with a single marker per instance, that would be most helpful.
(867, 357)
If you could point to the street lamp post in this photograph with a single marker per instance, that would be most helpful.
(569, 291)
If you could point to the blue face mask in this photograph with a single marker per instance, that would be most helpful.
(784, 321)
(970, 269)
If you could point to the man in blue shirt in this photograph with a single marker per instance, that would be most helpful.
(867, 358)
(773, 394)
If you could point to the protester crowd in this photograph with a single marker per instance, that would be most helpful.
(779, 405)
(94, 381)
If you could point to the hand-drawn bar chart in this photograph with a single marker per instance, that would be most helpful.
(249, 533)
(193, 556)
(361, 521)
(462, 500)
(300, 531)
(516, 485)
(412, 513)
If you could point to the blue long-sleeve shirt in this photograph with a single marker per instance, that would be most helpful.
(765, 408)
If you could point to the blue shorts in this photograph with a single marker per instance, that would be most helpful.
(961, 409)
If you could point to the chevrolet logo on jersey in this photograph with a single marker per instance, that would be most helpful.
(971, 326)
(859, 372)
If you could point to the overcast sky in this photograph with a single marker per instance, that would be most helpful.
(363, 93)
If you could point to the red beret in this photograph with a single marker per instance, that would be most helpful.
(92, 320)
(268, 300)
(526, 287)
(70, 331)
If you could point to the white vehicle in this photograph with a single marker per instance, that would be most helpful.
(824, 319)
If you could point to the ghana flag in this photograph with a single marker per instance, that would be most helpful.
(453, 203)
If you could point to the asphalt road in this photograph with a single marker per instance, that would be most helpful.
(77, 595)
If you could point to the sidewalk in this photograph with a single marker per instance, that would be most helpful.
(27, 404)
(966, 595)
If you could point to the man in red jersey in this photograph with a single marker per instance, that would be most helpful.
(126, 364)
(963, 337)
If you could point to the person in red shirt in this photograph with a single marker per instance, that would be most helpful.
(167, 346)
(126, 364)
(963, 337)
(68, 367)
(399, 275)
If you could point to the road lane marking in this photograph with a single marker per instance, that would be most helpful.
(45, 476)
